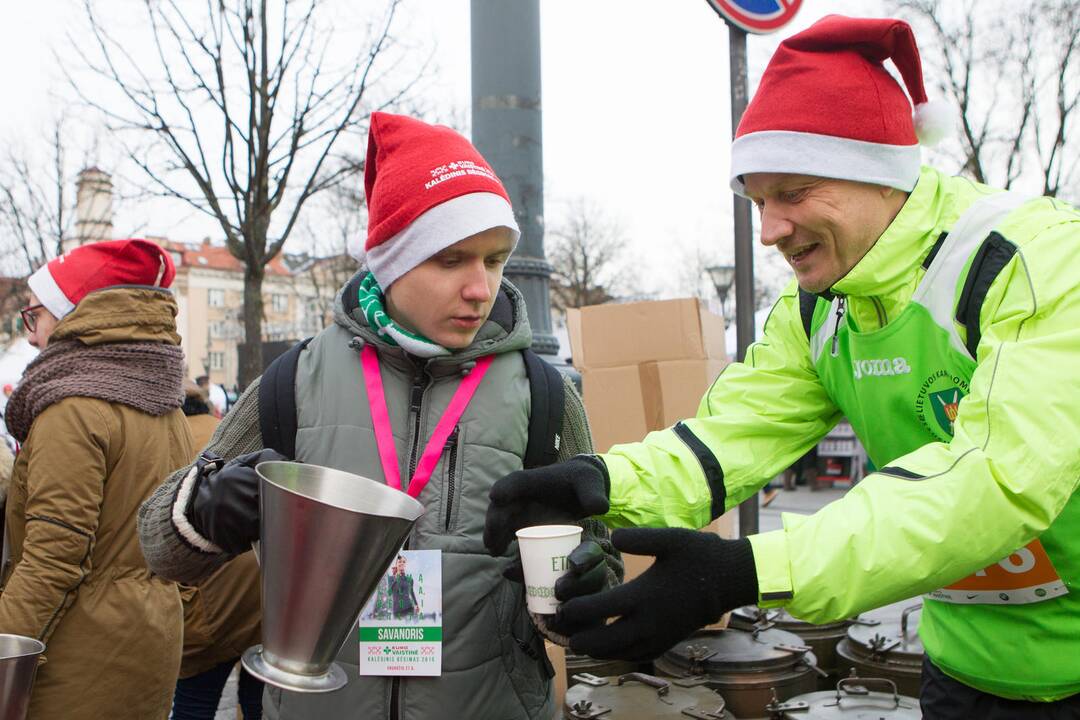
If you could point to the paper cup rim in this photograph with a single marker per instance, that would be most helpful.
(547, 532)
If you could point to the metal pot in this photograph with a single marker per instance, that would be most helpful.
(749, 668)
(638, 696)
(891, 650)
(852, 699)
(822, 639)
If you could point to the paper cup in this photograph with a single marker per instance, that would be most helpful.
(543, 558)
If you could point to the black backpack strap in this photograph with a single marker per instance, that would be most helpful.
(989, 260)
(807, 303)
(546, 417)
(277, 401)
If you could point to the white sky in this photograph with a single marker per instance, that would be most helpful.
(635, 98)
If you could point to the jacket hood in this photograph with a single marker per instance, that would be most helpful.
(506, 330)
(121, 314)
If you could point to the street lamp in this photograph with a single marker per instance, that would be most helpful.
(723, 277)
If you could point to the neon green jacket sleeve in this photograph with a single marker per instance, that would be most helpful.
(758, 417)
(1010, 470)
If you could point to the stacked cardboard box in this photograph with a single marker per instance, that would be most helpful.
(644, 366)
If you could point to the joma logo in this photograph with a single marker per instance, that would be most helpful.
(879, 367)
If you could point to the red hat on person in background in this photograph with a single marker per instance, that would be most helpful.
(427, 188)
(826, 106)
(64, 281)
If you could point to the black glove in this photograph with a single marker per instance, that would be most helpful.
(697, 577)
(556, 494)
(225, 505)
(587, 573)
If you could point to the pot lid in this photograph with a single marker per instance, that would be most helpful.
(892, 639)
(750, 616)
(714, 651)
(637, 696)
(853, 699)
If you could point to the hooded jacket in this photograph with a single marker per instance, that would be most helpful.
(78, 581)
(997, 469)
(493, 664)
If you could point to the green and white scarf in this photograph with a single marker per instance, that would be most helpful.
(373, 306)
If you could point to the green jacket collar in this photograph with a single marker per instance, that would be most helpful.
(893, 261)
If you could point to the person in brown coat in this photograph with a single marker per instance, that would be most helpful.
(222, 616)
(98, 417)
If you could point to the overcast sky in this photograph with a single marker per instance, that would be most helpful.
(635, 102)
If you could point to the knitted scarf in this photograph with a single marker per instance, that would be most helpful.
(372, 305)
(147, 376)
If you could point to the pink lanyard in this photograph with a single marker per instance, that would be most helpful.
(384, 435)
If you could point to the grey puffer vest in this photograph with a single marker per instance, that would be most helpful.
(492, 665)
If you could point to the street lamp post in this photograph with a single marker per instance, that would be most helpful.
(722, 276)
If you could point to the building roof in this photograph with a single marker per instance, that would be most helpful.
(214, 257)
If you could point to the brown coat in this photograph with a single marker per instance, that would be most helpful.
(222, 616)
(78, 580)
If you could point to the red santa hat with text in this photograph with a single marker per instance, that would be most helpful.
(427, 188)
(64, 281)
(826, 106)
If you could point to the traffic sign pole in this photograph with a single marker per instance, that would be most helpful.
(744, 246)
(742, 16)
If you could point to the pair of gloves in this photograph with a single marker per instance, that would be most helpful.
(696, 577)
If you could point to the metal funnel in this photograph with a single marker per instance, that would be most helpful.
(326, 539)
(18, 665)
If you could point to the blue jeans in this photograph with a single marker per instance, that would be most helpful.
(197, 697)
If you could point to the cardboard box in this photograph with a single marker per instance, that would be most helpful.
(557, 655)
(632, 333)
(625, 403)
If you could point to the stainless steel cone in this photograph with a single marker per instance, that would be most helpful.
(326, 539)
(18, 665)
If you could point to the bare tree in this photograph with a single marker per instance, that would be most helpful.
(587, 252)
(239, 111)
(35, 210)
(1011, 71)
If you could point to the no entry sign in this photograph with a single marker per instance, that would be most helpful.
(757, 16)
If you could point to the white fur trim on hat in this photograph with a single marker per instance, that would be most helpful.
(437, 229)
(797, 153)
(43, 284)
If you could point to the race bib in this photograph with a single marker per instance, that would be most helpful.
(401, 625)
(1025, 576)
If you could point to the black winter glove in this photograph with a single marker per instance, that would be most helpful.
(225, 505)
(696, 578)
(587, 573)
(556, 494)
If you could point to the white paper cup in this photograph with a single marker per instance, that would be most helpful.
(543, 558)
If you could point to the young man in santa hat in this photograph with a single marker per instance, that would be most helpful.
(431, 307)
(97, 414)
(940, 317)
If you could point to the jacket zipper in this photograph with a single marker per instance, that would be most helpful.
(416, 405)
(416, 402)
(451, 444)
(882, 317)
(836, 327)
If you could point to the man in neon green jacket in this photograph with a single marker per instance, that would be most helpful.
(942, 318)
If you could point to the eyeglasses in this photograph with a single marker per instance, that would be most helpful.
(29, 316)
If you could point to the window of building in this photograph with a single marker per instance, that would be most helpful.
(217, 361)
(280, 303)
(216, 298)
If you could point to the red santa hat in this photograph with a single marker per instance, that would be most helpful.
(427, 188)
(64, 281)
(827, 107)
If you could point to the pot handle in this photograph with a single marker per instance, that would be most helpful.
(904, 618)
(857, 686)
(662, 686)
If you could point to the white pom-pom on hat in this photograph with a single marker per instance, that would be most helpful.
(933, 121)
